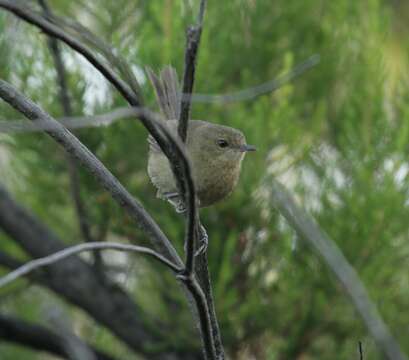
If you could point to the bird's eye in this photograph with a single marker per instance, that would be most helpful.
(222, 143)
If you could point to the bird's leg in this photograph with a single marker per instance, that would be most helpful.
(179, 205)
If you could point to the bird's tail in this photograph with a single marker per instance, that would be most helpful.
(167, 91)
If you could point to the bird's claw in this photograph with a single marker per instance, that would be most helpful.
(180, 207)
(203, 241)
(182, 276)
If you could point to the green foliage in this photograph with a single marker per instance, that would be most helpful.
(338, 136)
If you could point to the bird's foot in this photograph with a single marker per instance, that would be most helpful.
(203, 241)
(180, 207)
(176, 201)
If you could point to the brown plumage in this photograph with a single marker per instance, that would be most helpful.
(215, 151)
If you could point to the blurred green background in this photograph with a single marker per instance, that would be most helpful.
(337, 137)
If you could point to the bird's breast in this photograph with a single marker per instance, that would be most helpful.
(215, 182)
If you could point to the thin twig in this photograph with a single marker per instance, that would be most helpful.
(308, 230)
(105, 49)
(192, 45)
(193, 36)
(49, 28)
(361, 353)
(76, 249)
(202, 9)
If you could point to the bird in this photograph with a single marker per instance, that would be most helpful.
(215, 151)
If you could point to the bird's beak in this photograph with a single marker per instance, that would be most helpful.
(245, 148)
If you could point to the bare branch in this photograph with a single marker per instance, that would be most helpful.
(119, 193)
(308, 230)
(75, 281)
(51, 29)
(213, 343)
(193, 36)
(202, 9)
(105, 49)
(122, 87)
(72, 145)
(204, 315)
(39, 338)
(76, 249)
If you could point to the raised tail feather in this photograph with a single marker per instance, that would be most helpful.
(167, 91)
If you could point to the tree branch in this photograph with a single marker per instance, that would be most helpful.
(193, 36)
(78, 150)
(73, 146)
(308, 230)
(76, 249)
(126, 91)
(52, 29)
(77, 282)
(201, 269)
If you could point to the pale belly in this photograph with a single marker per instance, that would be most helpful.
(212, 185)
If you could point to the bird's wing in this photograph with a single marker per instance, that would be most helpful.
(167, 92)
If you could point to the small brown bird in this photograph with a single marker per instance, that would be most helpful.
(215, 151)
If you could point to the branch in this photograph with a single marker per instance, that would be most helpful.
(76, 249)
(132, 98)
(201, 269)
(39, 338)
(51, 29)
(73, 146)
(204, 315)
(307, 229)
(361, 353)
(77, 282)
(193, 36)
(111, 55)
(119, 193)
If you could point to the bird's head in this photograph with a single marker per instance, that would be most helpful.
(220, 143)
